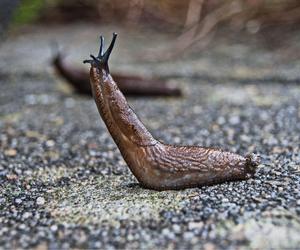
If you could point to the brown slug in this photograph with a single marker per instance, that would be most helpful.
(130, 85)
(156, 165)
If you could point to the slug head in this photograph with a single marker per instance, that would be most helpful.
(57, 54)
(101, 61)
(252, 161)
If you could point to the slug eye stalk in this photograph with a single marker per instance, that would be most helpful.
(102, 59)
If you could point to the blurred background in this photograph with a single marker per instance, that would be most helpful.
(193, 23)
(232, 36)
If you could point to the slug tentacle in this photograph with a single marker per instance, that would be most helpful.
(110, 48)
(101, 60)
(156, 165)
(100, 54)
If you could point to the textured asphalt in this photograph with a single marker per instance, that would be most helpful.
(64, 184)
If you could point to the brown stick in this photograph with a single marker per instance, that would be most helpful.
(209, 22)
(201, 31)
(193, 15)
(197, 32)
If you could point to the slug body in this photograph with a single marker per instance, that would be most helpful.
(156, 165)
(130, 85)
(75, 77)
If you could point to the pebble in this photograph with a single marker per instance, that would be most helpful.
(188, 235)
(195, 225)
(50, 143)
(10, 152)
(27, 215)
(54, 228)
(234, 120)
(40, 201)
(18, 201)
(176, 228)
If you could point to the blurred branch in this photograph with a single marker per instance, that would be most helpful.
(135, 11)
(193, 15)
(250, 14)
(196, 20)
(201, 29)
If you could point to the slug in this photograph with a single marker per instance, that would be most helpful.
(157, 165)
(130, 85)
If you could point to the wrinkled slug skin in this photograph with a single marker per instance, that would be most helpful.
(156, 165)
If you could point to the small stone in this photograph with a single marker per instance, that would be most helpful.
(50, 143)
(26, 215)
(130, 237)
(22, 227)
(177, 140)
(12, 177)
(10, 152)
(197, 109)
(92, 153)
(40, 201)
(234, 120)
(188, 235)
(54, 228)
(221, 120)
(208, 246)
(225, 200)
(69, 103)
(18, 201)
(176, 228)
(245, 138)
(167, 233)
(195, 225)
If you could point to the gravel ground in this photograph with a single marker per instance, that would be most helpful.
(64, 184)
